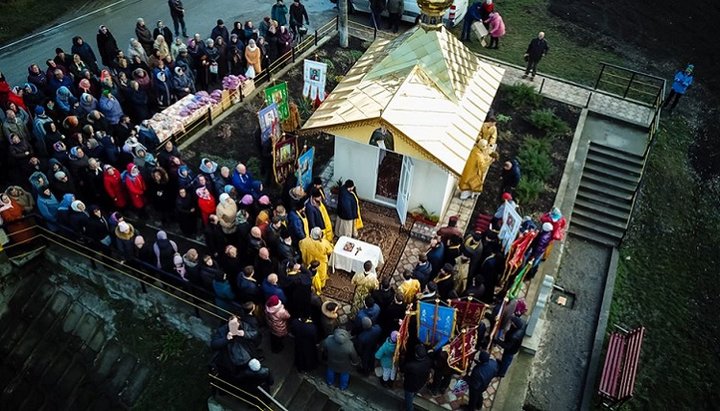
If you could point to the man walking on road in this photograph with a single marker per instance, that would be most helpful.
(536, 50)
(177, 12)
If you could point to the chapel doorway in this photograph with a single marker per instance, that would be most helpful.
(388, 176)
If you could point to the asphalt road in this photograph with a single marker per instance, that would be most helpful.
(200, 17)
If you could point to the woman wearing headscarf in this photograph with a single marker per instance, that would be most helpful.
(11, 213)
(164, 252)
(285, 40)
(161, 46)
(135, 49)
(182, 84)
(164, 97)
(185, 177)
(144, 35)
(213, 56)
(135, 185)
(206, 203)
(22, 197)
(227, 211)
(65, 102)
(125, 240)
(47, 206)
(253, 57)
(160, 193)
(107, 46)
(186, 210)
(222, 48)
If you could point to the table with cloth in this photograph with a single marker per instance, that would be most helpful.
(353, 260)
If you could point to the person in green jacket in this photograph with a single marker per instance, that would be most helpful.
(279, 13)
(385, 355)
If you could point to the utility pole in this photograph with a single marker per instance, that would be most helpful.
(343, 23)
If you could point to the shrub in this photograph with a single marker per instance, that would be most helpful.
(521, 96)
(547, 121)
(330, 65)
(529, 190)
(534, 158)
(503, 119)
(253, 166)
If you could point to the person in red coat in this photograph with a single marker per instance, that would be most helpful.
(135, 186)
(206, 203)
(114, 187)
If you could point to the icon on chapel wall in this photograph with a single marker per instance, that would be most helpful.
(382, 138)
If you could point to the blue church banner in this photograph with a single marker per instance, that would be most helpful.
(436, 324)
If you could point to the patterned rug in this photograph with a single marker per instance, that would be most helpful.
(382, 228)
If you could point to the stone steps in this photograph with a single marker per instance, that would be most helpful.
(54, 355)
(604, 200)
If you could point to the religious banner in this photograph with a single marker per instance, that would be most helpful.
(469, 312)
(305, 168)
(462, 349)
(315, 74)
(285, 155)
(269, 124)
(436, 323)
(511, 226)
(278, 94)
(403, 335)
(516, 257)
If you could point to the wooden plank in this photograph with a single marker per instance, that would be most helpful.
(612, 366)
(632, 357)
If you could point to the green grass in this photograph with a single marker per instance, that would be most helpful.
(567, 58)
(22, 17)
(667, 280)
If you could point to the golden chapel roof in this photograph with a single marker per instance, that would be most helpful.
(425, 85)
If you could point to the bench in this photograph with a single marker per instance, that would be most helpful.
(617, 382)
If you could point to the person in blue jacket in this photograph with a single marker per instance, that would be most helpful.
(474, 13)
(683, 80)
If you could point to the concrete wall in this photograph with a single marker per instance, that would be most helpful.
(121, 287)
(431, 186)
(358, 162)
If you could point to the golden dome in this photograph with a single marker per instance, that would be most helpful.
(434, 8)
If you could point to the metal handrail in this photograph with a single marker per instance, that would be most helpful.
(266, 406)
(654, 125)
(53, 237)
(271, 398)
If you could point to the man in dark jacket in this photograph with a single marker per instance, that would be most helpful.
(177, 12)
(392, 314)
(86, 54)
(248, 288)
(536, 50)
(511, 345)
(297, 13)
(306, 336)
(347, 211)
(312, 210)
(423, 270)
(214, 237)
(384, 295)
(366, 344)
(234, 345)
(97, 228)
(220, 31)
(510, 176)
(482, 374)
(341, 356)
(417, 371)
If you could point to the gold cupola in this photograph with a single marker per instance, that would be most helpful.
(432, 12)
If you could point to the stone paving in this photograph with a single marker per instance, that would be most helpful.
(614, 107)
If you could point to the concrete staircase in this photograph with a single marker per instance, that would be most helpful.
(55, 354)
(604, 199)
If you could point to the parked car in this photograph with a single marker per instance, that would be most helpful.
(454, 15)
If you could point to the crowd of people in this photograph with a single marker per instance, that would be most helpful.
(78, 153)
(108, 79)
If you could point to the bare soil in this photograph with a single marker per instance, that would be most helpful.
(510, 138)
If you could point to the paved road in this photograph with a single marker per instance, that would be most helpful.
(201, 16)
